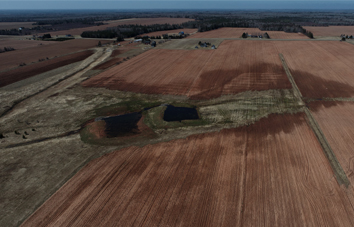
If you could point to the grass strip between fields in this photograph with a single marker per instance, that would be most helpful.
(336, 167)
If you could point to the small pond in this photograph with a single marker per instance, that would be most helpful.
(180, 113)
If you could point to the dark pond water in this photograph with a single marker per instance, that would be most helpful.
(122, 125)
(180, 113)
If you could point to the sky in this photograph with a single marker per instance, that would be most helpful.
(178, 4)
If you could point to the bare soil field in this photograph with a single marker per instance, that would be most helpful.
(15, 25)
(285, 35)
(140, 21)
(171, 32)
(336, 120)
(12, 59)
(331, 31)
(205, 73)
(260, 175)
(22, 44)
(320, 68)
(24, 72)
(226, 33)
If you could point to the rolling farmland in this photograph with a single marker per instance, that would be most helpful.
(12, 59)
(22, 44)
(205, 73)
(21, 73)
(250, 176)
(109, 24)
(331, 31)
(337, 122)
(320, 68)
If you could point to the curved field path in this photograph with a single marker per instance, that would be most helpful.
(271, 173)
(236, 66)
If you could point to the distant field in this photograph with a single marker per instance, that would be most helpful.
(331, 31)
(15, 25)
(237, 33)
(271, 173)
(285, 35)
(226, 33)
(176, 31)
(189, 44)
(336, 120)
(25, 72)
(21, 44)
(321, 68)
(234, 67)
(140, 21)
(33, 54)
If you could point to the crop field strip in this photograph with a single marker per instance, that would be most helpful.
(205, 73)
(252, 175)
(330, 31)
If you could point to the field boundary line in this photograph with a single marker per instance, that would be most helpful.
(327, 150)
(337, 168)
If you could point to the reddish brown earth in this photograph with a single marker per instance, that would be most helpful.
(320, 68)
(21, 44)
(336, 120)
(25, 72)
(334, 31)
(176, 31)
(199, 74)
(140, 21)
(271, 173)
(12, 59)
(285, 35)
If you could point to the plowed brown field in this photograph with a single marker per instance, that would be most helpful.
(336, 120)
(321, 68)
(22, 44)
(140, 21)
(271, 173)
(24, 72)
(332, 31)
(236, 66)
(226, 33)
(14, 58)
(285, 35)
